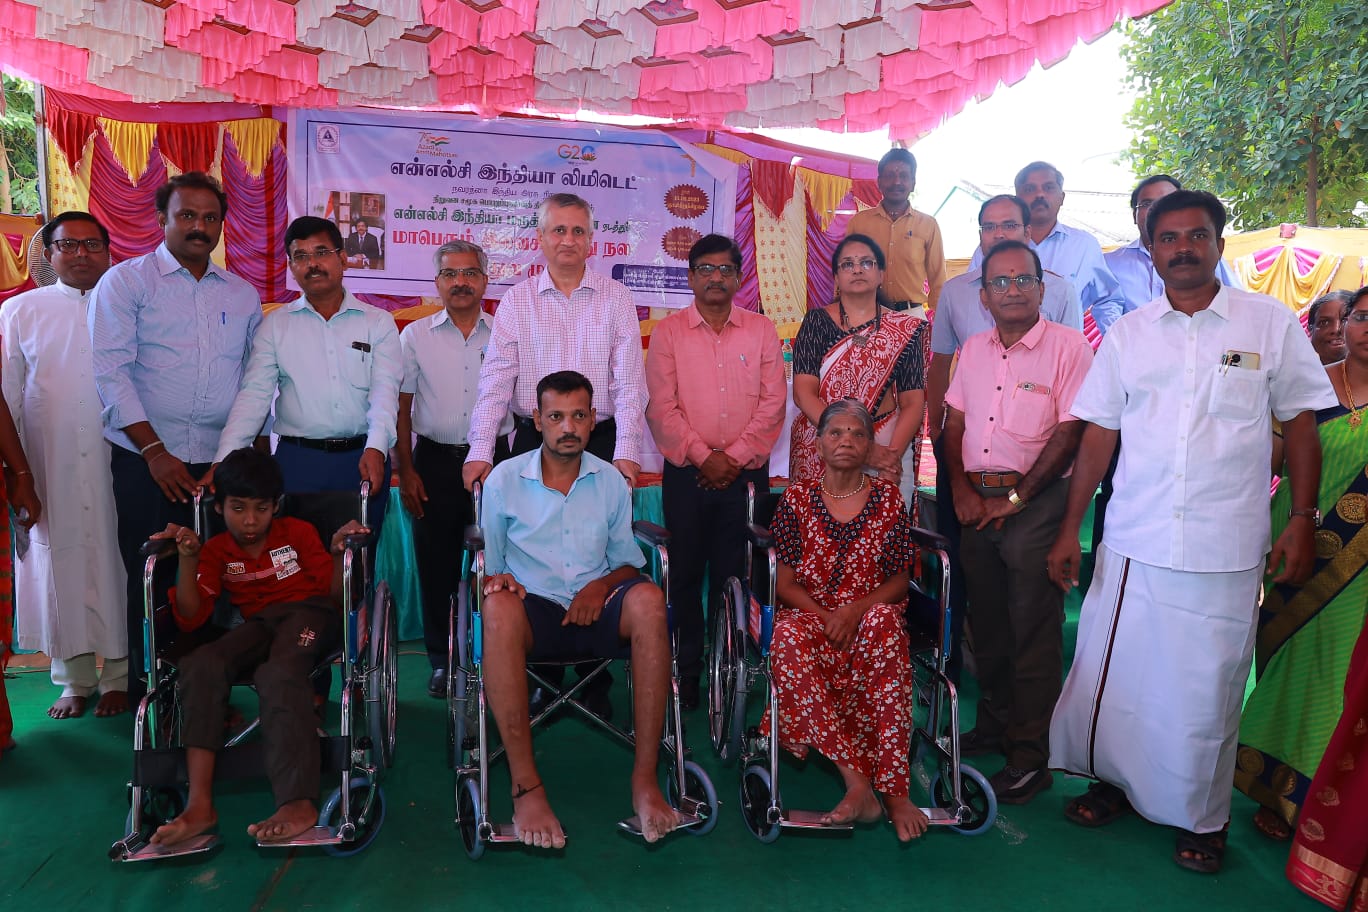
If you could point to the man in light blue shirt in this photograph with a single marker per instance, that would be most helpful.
(337, 365)
(564, 581)
(1132, 264)
(170, 332)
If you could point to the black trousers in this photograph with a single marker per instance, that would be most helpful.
(142, 509)
(602, 443)
(440, 535)
(707, 532)
(274, 649)
(948, 525)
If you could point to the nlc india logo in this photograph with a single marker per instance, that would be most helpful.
(328, 138)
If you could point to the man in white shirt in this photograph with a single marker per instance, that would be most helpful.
(337, 364)
(69, 583)
(1190, 383)
(442, 358)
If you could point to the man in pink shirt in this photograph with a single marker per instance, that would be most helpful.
(1010, 440)
(715, 375)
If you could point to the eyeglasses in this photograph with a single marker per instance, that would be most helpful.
(1145, 204)
(304, 257)
(1000, 284)
(91, 245)
(990, 227)
(864, 264)
(707, 269)
(470, 272)
(1358, 317)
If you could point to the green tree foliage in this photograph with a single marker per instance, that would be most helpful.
(1264, 102)
(18, 149)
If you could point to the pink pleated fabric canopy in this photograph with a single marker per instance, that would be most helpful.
(842, 65)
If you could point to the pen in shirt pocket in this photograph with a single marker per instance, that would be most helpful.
(223, 318)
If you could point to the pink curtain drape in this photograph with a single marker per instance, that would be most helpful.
(129, 211)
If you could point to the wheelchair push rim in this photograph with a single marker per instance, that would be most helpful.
(370, 799)
(382, 705)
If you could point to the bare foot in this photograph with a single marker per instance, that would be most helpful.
(657, 818)
(858, 806)
(534, 822)
(113, 703)
(908, 820)
(1271, 825)
(192, 821)
(290, 819)
(68, 708)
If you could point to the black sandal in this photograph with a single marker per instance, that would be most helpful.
(1209, 848)
(1104, 803)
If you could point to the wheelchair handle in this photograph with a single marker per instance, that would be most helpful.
(364, 501)
(759, 536)
(476, 496)
(933, 541)
(357, 540)
(157, 547)
(474, 538)
(650, 533)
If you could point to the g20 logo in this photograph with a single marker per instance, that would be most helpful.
(574, 152)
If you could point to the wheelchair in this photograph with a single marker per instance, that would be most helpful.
(740, 676)
(351, 815)
(687, 787)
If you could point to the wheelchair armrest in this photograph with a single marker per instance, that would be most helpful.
(925, 538)
(158, 547)
(759, 536)
(474, 538)
(650, 533)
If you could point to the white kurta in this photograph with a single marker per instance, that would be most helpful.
(70, 586)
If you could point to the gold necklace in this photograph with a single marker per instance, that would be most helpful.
(851, 493)
(1355, 414)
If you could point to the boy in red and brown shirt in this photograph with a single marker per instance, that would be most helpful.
(287, 588)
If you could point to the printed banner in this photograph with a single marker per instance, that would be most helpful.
(399, 185)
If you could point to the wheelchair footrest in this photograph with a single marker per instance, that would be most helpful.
(811, 820)
(136, 849)
(503, 832)
(314, 836)
(940, 816)
(683, 821)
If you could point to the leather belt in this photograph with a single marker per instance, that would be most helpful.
(327, 444)
(456, 449)
(995, 479)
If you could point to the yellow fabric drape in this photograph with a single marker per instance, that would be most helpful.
(131, 144)
(14, 265)
(255, 139)
(731, 155)
(781, 256)
(1282, 281)
(68, 188)
(824, 193)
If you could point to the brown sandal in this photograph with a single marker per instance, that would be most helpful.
(1103, 802)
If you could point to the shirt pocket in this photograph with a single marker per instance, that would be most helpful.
(1030, 413)
(356, 363)
(1238, 393)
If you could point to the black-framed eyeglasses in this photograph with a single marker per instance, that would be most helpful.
(707, 269)
(1145, 204)
(1000, 284)
(91, 245)
(990, 227)
(304, 257)
(864, 263)
(469, 272)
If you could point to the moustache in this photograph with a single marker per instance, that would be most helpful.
(1183, 260)
(568, 438)
(457, 291)
(1040, 203)
(197, 236)
(313, 274)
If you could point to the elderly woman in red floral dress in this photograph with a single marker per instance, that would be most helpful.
(840, 650)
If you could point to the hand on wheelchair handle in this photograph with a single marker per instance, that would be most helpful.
(171, 476)
(186, 541)
(474, 472)
(352, 535)
(504, 582)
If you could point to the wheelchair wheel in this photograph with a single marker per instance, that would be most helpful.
(383, 703)
(698, 786)
(978, 797)
(755, 802)
(460, 687)
(330, 815)
(468, 816)
(159, 806)
(723, 676)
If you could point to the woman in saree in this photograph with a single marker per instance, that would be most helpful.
(842, 673)
(854, 347)
(1306, 633)
(17, 491)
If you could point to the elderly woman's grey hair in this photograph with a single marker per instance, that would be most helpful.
(846, 407)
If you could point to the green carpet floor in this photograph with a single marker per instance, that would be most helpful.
(62, 802)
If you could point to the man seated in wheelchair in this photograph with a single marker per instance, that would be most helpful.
(278, 575)
(563, 581)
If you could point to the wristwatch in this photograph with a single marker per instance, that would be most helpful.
(1311, 513)
(1017, 502)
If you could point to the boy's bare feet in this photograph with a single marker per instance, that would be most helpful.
(68, 708)
(290, 819)
(192, 821)
(112, 703)
(534, 822)
(657, 818)
(858, 806)
(908, 820)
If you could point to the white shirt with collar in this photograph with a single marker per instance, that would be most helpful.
(442, 372)
(337, 378)
(1191, 485)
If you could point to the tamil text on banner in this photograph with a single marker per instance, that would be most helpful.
(401, 184)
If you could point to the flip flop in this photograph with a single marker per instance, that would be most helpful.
(1104, 803)
(1210, 849)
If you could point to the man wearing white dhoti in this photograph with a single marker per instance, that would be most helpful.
(69, 584)
(1189, 383)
